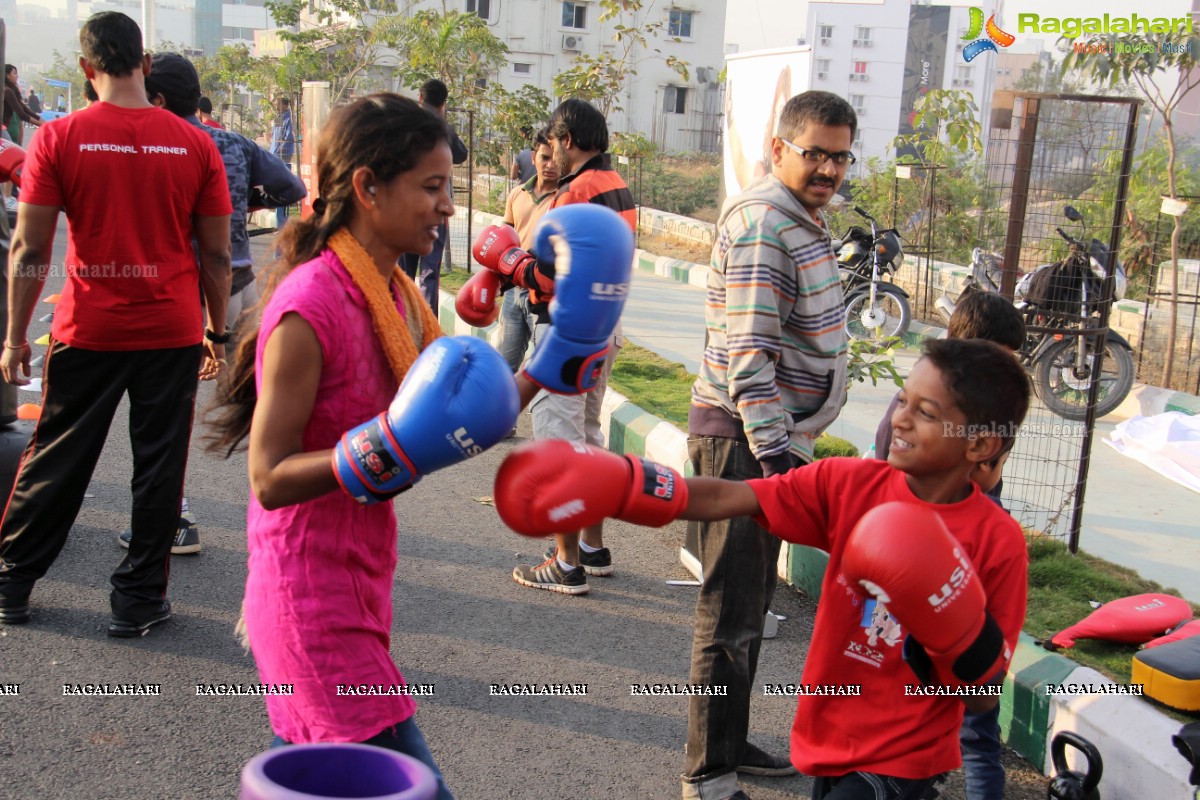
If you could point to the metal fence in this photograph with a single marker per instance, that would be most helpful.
(1156, 322)
(1046, 152)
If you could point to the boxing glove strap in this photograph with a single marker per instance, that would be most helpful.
(373, 463)
(657, 494)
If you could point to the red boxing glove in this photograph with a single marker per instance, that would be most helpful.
(476, 301)
(498, 248)
(552, 486)
(904, 556)
(12, 159)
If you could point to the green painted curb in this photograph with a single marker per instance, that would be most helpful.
(628, 427)
(1024, 705)
(806, 569)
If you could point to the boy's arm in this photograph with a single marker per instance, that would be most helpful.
(710, 499)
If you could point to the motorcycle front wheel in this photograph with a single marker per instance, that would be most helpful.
(1063, 386)
(889, 316)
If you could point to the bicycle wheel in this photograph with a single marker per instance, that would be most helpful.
(1063, 386)
(889, 316)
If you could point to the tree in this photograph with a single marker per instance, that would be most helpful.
(66, 68)
(455, 47)
(1164, 70)
(600, 79)
(335, 40)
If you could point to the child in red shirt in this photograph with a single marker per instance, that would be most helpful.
(873, 737)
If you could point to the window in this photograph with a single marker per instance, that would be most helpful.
(862, 36)
(674, 99)
(574, 15)
(860, 68)
(521, 68)
(480, 8)
(679, 23)
(825, 33)
(859, 102)
(823, 67)
(963, 76)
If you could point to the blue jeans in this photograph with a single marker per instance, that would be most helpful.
(979, 738)
(516, 326)
(405, 738)
(280, 216)
(426, 271)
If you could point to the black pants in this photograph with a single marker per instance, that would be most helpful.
(81, 391)
(869, 786)
(739, 560)
(426, 271)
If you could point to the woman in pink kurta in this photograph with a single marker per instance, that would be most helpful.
(328, 355)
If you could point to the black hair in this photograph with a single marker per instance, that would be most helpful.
(112, 43)
(285, 100)
(434, 92)
(205, 105)
(540, 138)
(988, 385)
(385, 133)
(89, 92)
(174, 77)
(822, 108)
(583, 122)
(9, 69)
(986, 315)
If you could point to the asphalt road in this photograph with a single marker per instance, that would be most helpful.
(461, 624)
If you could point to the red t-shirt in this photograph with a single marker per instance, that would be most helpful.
(856, 642)
(130, 179)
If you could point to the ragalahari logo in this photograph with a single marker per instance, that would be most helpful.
(995, 36)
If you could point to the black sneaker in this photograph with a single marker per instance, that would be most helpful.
(13, 610)
(186, 542)
(598, 564)
(126, 629)
(757, 762)
(550, 576)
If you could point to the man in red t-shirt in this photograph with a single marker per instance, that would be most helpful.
(138, 185)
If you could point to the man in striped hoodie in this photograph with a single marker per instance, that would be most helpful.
(773, 377)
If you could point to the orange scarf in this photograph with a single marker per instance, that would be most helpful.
(423, 326)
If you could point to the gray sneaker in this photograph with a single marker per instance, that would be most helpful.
(550, 576)
(598, 564)
(186, 542)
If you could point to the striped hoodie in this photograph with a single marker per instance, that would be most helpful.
(774, 365)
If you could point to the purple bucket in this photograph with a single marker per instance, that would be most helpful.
(327, 771)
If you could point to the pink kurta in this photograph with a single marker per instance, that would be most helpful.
(319, 592)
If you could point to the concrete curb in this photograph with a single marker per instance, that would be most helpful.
(1133, 736)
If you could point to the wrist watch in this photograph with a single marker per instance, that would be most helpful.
(217, 338)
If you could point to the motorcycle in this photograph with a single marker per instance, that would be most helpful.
(1065, 295)
(875, 309)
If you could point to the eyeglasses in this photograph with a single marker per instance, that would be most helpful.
(820, 156)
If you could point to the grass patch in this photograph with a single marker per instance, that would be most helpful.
(452, 281)
(664, 389)
(1060, 588)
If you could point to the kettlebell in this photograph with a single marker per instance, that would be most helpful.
(1068, 784)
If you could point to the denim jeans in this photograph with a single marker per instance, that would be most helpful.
(739, 561)
(516, 325)
(870, 786)
(979, 738)
(405, 738)
(426, 271)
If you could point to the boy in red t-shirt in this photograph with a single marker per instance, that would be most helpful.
(960, 408)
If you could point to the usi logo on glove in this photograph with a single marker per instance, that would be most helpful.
(466, 442)
(610, 289)
(658, 482)
(959, 578)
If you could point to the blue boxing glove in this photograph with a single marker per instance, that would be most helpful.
(591, 248)
(458, 400)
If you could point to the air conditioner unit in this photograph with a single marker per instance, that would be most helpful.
(968, 82)
(704, 74)
(862, 42)
(825, 40)
(822, 76)
(862, 112)
(955, 82)
(572, 42)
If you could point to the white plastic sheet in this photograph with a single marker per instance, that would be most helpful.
(1167, 443)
